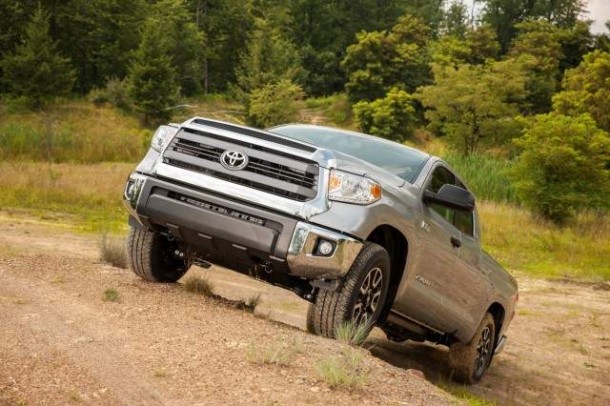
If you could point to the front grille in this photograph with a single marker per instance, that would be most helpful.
(271, 171)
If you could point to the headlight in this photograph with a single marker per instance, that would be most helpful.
(162, 136)
(345, 187)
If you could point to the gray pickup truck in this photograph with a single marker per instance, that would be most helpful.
(366, 230)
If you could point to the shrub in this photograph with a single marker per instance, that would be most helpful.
(392, 117)
(115, 93)
(274, 104)
(563, 166)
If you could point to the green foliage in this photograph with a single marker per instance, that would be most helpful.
(152, 77)
(563, 166)
(504, 15)
(186, 44)
(538, 48)
(392, 117)
(274, 104)
(269, 58)
(36, 72)
(98, 35)
(381, 60)
(474, 105)
(486, 175)
(115, 93)
(477, 46)
(587, 90)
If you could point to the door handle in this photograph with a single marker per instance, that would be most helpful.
(455, 242)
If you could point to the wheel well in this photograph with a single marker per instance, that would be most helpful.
(397, 247)
(497, 311)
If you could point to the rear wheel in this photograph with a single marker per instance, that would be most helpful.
(154, 257)
(360, 297)
(470, 361)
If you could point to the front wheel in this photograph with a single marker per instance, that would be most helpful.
(154, 257)
(359, 298)
(470, 361)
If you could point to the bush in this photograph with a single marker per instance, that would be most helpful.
(199, 285)
(564, 166)
(392, 117)
(274, 104)
(115, 93)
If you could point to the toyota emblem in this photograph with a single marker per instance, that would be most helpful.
(234, 160)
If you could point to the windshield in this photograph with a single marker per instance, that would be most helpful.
(398, 159)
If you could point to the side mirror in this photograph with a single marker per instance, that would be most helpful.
(451, 196)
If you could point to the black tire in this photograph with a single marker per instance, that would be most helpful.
(152, 256)
(470, 361)
(331, 309)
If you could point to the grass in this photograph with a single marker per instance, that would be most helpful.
(110, 295)
(88, 197)
(199, 285)
(72, 132)
(280, 353)
(463, 393)
(352, 334)
(538, 248)
(112, 251)
(346, 370)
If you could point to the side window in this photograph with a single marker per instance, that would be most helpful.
(462, 220)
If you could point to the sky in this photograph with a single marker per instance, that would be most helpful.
(599, 12)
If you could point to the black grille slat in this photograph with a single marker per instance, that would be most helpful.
(288, 176)
(241, 181)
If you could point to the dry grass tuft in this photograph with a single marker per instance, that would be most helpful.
(113, 251)
(347, 370)
(199, 285)
(280, 353)
(352, 334)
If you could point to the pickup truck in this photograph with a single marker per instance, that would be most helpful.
(367, 230)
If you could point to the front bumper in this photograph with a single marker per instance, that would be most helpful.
(236, 234)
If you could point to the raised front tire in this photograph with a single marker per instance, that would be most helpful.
(470, 361)
(359, 298)
(153, 256)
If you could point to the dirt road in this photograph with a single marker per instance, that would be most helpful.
(158, 344)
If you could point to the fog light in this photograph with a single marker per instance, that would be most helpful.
(325, 248)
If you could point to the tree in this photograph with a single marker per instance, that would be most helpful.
(504, 15)
(455, 21)
(186, 44)
(476, 47)
(381, 60)
(586, 89)
(392, 117)
(36, 72)
(274, 103)
(152, 78)
(539, 41)
(564, 165)
(268, 58)
(98, 36)
(474, 105)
